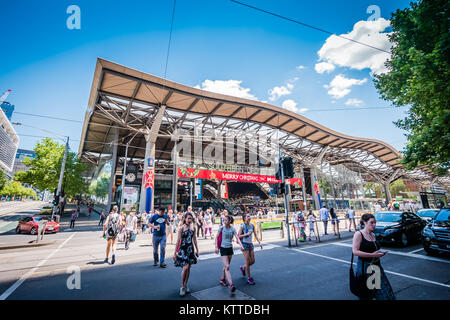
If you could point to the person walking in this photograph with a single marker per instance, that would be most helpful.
(158, 223)
(102, 218)
(89, 210)
(245, 233)
(171, 229)
(334, 221)
(226, 250)
(185, 255)
(130, 229)
(351, 219)
(200, 224)
(73, 217)
(311, 220)
(207, 219)
(324, 215)
(112, 227)
(367, 249)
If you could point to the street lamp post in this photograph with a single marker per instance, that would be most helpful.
(61, 175)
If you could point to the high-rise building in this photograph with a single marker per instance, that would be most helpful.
(9, 142)
(20, 155)
(8, 109)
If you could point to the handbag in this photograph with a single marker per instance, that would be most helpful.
(358, 285)
(219, 239)
(121, 237)
(133, 237)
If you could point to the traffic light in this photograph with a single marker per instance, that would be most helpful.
(274, 189)
(288, 167)
(56, 200)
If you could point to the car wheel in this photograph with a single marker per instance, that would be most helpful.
(404, 240)
(429, 251)
(18, 230)
(33, 231)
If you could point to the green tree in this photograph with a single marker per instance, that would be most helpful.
(372, 190)
(396, 187)
(418, 77)
(3, 180)
(44, 169)
(325, 187)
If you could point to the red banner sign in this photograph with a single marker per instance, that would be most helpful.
(233, 176)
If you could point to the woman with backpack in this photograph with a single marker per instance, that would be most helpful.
(245, 233)
(111, 228)
(185, 255)
(224, 244)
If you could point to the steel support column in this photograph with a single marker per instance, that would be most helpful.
(113, 169)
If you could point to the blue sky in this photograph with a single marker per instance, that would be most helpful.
(50, 68)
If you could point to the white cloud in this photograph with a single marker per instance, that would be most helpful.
(324, 67)
(303, 110)
(354, 102)
(280, 91)
(339, 86)
(345, 53)
(301, 67)
(228, 87)
(290, 105)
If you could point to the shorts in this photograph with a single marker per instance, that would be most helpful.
(248, 246)
(111, 238)
(226, 251)
(334, 220)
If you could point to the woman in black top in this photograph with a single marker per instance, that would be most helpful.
(334, 220)
(367, 249)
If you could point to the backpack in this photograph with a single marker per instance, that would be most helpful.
(113, 226)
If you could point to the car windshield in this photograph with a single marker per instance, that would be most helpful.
(427, 213)
(443, 215)
(37, 219)
(388, 216)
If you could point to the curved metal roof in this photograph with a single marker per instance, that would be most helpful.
(131, 91)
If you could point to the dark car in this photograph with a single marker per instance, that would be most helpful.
(400, 227)
(427, 214)
(436, 235)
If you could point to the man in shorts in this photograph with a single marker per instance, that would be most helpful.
(111, 227)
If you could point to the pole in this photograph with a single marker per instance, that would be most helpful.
(61, 174)
(175, 178)
(303, 187)
(286, 208)
(124, 172)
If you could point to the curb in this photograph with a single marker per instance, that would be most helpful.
(29, 245)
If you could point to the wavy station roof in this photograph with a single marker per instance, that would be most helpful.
(129, 99)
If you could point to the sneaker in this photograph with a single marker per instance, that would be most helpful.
(163, 265)
(155, 263)
(105, 261)
(233, 288)
(188, 290)
(182, 292)
(223, 283)
(242, 270)
(113, 259)
(251, 281)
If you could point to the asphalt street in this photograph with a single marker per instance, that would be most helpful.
(308, 272)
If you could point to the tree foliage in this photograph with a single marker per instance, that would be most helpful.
(418, 77)
(397, 188)
(373, 190)
(325, 186)
(16, 189)
(44, 169)
(3, 180)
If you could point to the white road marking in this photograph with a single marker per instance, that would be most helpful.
(410, 255)
(11, 289)
(416, 250)
(390, 272)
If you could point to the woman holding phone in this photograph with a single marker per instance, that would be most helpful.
(245, 233)
(367, 249)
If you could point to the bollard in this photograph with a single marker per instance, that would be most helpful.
(317, 231)
(295, 235)
(282, 229)
(260, 230)
(337, 227)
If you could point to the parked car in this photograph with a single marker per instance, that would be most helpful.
(436, 235)
(46, 210)
(400, 227)
(31, 225)
(427, 214)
